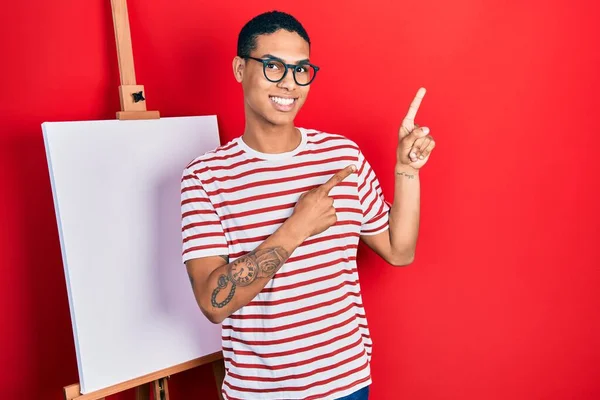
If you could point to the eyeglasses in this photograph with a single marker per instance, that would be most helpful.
(275, 70)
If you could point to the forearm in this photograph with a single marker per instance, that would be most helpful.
(405, 213)
(232, 286)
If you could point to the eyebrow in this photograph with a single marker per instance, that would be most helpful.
(280, 59)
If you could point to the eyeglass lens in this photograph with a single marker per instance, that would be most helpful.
(274, 71)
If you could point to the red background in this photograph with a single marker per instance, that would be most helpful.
(502, 300)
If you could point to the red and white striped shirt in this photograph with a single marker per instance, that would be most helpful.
(305, 335)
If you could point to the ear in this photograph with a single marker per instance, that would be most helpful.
(238, 68)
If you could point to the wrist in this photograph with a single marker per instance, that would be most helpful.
(289, 229)
(406, 170)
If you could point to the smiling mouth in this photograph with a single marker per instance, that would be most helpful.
(283, 101)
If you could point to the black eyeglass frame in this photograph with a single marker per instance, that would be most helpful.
(266, 61)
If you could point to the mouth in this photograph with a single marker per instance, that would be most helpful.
(283, 103)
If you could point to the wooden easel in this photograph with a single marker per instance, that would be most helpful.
(132, 95)
(157, 381)
(133, 107)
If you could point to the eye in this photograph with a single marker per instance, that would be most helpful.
(273, 65)
(301, 69)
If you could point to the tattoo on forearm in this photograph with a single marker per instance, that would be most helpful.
(409, 176)
(261, 263)
(222, 284)
(224, 257)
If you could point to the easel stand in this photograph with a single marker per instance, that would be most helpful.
(132, 95)
(156, 382)
(133, 107)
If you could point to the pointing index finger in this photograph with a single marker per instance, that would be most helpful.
(414, 106)
(337, 178)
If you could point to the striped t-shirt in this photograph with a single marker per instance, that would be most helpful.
(305, 335)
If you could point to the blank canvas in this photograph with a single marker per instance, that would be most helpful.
(116, 188)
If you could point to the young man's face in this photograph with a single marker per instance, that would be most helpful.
(274, 102)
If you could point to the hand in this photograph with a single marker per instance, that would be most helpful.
(314, 212)
(414, 142)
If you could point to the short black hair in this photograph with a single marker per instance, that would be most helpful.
(267, 23)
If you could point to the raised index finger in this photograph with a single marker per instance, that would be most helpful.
(337, 178)
(414, 106)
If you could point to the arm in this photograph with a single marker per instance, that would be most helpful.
(397, 244)
(221, 288)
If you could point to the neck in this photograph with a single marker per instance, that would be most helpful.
(271, 139)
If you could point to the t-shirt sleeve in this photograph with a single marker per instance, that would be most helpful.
(202, 232)
(375, 209)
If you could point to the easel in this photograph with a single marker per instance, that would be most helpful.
(133, 102)
(157, 381)
(133, 107)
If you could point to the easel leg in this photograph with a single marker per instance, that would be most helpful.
(219, 373)
(161, 389)
(142, 392)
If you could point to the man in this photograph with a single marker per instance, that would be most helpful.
(271, 223)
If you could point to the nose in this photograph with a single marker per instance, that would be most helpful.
(288, 82)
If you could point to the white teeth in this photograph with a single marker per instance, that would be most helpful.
(282, 101)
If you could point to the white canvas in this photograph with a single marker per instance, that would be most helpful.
(116, 188)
